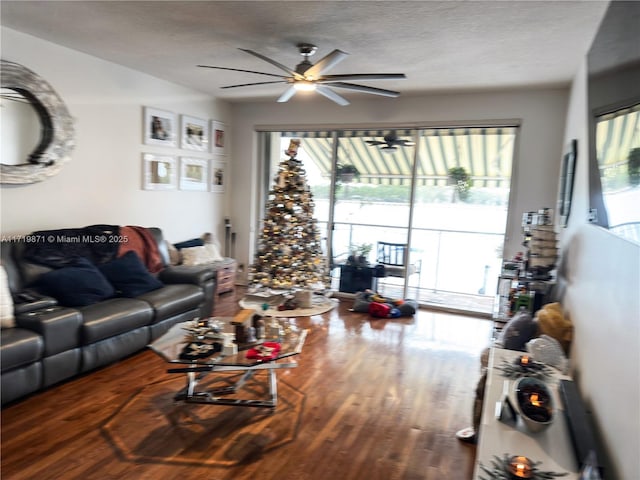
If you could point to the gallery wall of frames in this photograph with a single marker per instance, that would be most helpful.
(201, 163)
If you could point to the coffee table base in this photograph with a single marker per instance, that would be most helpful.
(189, 394)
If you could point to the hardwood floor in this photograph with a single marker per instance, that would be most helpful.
(370, 399)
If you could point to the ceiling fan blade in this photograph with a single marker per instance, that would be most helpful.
(375, 142)
(362, 76)
(256, 83)
(331, 95)
(325, 63)
(365, 89)
(405, 143)
(288, 93)
(292, 73)
(240, 70)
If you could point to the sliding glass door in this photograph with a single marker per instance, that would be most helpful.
(461, 203)
(438, 196)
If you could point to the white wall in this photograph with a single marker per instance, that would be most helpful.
(103, 181)
(541, 114)
(603, 301)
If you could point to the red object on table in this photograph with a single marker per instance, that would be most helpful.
(266, 351)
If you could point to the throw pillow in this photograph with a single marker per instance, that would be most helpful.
(192, 256)
(78, 285)
(194, 242)
(548, 350)
(212, 253)
(129, 275)
(200, 255)
(7, 319)
(553, 322)
(408, 308)
(361, 306)
(518, 331)
(175, 257)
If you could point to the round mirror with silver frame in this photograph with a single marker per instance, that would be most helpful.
(57, 133)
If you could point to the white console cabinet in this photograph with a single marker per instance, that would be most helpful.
(552, 447)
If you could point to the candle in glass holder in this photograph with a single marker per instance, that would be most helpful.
(535, 400)
(525, 360)
(520, 467)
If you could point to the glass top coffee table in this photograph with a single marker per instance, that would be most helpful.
(195, 350)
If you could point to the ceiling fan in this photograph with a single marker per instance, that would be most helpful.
(391, 142)
(308, 77)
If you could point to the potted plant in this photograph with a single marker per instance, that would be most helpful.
(359, 254)
(346, 172)
(461, 180)
(634, 167)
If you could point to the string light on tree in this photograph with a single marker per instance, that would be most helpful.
(289, 252)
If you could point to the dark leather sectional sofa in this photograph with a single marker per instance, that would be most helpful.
(51, 343)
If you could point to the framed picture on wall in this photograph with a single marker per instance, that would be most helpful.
(218, 177)
(218, 137)
(567, 179)
(159, 127)
(194, 173)
(159, 172)
(194, 134)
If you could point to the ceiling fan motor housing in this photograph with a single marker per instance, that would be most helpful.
(307, 49)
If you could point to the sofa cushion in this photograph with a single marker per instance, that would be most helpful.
(20, 347)
(521, 328)
(129, 276)
(6, 301)
(58, 326)
(78, 285)
(21, 381)
(112, 317)
(172, 300)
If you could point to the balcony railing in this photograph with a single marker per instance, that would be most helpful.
(459, 268)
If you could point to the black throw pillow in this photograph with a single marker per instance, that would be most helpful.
(194, 242)
(77, 285)
(129, 275)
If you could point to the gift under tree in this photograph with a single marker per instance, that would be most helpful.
(289, 253)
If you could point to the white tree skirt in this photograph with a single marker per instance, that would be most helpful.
(320, 304)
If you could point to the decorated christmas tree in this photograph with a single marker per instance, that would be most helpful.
(289, 253)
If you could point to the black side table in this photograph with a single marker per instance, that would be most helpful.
(358, 278)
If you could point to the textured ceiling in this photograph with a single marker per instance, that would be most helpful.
(439, 45)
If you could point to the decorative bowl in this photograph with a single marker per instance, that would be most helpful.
(534, 403)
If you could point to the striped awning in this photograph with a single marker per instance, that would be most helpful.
(617, 134)
(486, 153)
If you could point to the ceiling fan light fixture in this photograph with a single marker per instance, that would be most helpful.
(308, 77)
(304, 86)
